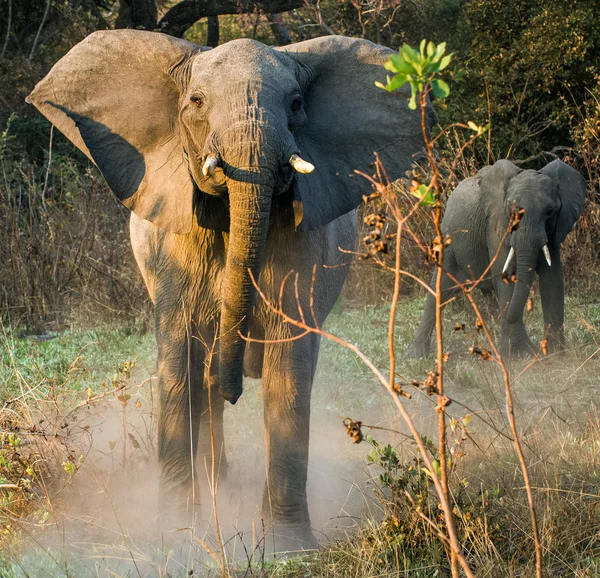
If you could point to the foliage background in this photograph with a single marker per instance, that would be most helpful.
(530, 69)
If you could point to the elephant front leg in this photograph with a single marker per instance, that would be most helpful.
(552, 292)
(180, 372)
(288, 373)
(514, 341)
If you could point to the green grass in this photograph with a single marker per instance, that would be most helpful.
(74, 359)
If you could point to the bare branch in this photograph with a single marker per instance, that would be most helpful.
(186, 13)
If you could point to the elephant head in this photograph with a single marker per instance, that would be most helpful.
(182, 132)
(552, 199)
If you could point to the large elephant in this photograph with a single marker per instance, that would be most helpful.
(214, 151)
(477, 218)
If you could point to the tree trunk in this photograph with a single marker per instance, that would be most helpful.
(212, 38)
(139, 14)
(282, 36)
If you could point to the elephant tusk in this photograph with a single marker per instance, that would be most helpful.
(210, 164)
(511, 254)
(300, 165)
(547, 255)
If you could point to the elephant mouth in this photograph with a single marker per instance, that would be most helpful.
(216, 172)
(511, 255)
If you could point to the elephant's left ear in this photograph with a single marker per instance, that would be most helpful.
(349, 119)
(571, 189)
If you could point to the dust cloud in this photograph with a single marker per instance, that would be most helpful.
(104, 520)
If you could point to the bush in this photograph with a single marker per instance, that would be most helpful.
(63, 235)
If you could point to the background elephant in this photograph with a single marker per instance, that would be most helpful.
(199, 144)
(477, 217)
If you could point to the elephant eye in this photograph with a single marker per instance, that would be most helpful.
(197, 100)
(296, 104)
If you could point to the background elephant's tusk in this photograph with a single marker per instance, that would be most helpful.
(210, 165)
(511, 254)
(547, 255)
(300, 165)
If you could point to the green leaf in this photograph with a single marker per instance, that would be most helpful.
(397, 64)
(412, 103)
(439, 51)
(424, 194)
(422, 48)
(411, 56)
(440, 88)
(397, 82)
(445, 61)
(478, 129)
(430, 49)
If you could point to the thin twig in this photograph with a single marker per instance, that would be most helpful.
(8, 23)
(39, 31)
(510, 412)
(213, 476)
(437, 251)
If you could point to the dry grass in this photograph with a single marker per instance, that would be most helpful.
(64, 245)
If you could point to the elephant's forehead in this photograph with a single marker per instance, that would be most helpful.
(243, 56)
(530, 182)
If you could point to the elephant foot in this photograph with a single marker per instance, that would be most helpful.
(556, 343)
(418, 350)
(176, 507)
(290, 540)
(516, 350)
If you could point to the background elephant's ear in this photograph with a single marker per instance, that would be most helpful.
(571, 189)
(494, 182)
(349, 119)
(115, 95)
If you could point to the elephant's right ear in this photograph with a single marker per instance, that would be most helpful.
(348, 120)
(116, 95)
(571, 189)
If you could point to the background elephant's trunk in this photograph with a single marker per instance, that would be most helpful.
(526, 262)
(250, 206)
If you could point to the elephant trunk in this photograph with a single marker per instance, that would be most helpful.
(526, 263)
(250, 205)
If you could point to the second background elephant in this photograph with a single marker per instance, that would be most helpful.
(477, 218)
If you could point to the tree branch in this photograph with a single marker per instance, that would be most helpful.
(186, 13)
